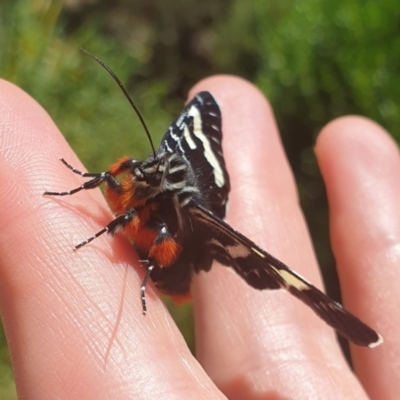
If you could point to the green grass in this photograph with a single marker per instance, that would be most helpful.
(7, 386)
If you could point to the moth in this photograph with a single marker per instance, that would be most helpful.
(171, 207)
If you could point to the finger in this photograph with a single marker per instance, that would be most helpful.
(256, 343)
(361, 167)
(73, 319)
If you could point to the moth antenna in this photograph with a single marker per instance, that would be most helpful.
(124, 91)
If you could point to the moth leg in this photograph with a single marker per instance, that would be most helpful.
(143, 287)
(97, 180)
(115, 226)
(163, 252)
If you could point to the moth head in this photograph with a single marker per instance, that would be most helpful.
(149, 176)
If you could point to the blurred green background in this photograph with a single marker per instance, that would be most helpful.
(315, 60)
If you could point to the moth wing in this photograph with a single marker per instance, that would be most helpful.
(263, 271)
(196, 135)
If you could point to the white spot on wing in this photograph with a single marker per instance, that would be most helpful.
(377, 343)
(291, 279)
(235, 251)
(167, 146)
(173, 136)
(208, 152)
(200, 99)
(258, 252)
(180, 120)
(189, 138)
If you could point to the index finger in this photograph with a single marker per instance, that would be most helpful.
(73, 319)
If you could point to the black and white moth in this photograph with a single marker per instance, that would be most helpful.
(172, 206)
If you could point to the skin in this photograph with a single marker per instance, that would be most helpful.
(73, 319)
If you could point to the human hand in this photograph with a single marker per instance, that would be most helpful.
(74, 321)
